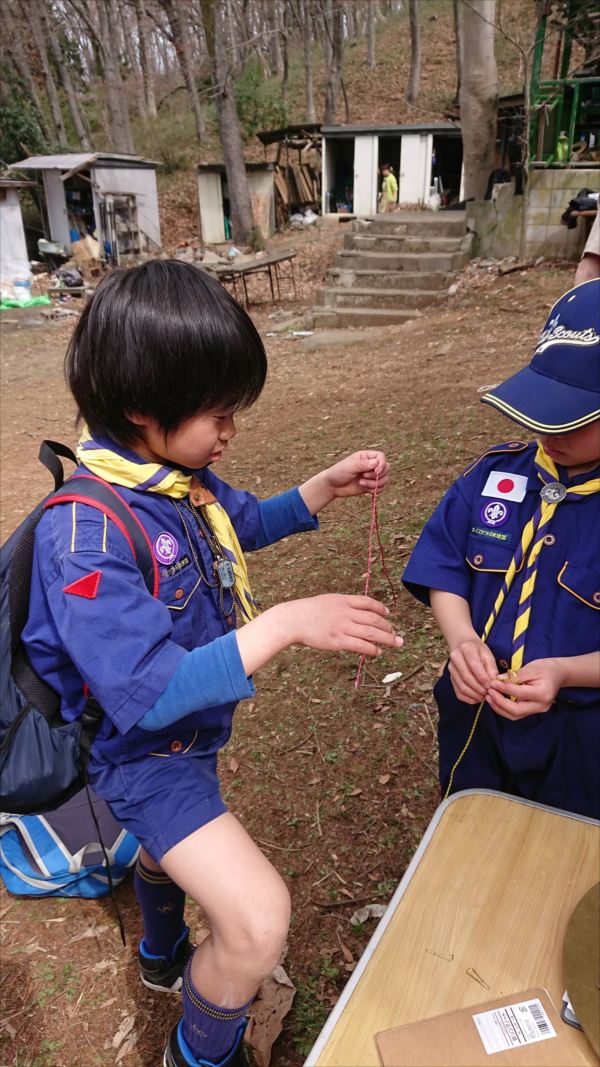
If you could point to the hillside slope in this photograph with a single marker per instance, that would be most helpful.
(373, 96)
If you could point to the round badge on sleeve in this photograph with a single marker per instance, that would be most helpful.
(165, 548)
(553, 492)
(496, 513)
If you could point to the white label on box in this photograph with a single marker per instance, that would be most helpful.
(513, 1026)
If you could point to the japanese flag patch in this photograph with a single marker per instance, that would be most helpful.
(505, 486)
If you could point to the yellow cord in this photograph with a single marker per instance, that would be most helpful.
(466, 745)
(509, 676)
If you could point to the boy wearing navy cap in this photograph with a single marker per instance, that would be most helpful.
(509, 564)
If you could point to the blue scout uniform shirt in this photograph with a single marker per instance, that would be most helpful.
(467, 545)
(123, 645)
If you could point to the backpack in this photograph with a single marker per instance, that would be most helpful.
(42, 758)
(76, 850)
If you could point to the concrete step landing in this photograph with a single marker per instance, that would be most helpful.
(331, 317)
(346, 278)
(414, 223)
(379, 298)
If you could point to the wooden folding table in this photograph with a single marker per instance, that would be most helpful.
(480, 913)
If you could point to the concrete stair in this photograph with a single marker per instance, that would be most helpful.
(392, 267)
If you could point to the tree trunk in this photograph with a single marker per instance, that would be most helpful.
(37, 29)
(371, 61)
(327, 17)
(116, 101)
(334, 74)
(311, 114)
(144, 53)
(61, 66)
(415, 52)
(131, 56)
(14, 48)
(350, 20)
(478, 95)
(459, 48)
(242, 221)
(285, 30)
(175, 12)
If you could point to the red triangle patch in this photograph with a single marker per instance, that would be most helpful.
(86, 586)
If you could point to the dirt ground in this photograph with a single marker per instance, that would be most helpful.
(336, 784)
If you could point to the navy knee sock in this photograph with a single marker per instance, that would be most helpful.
(209, 1031)
(161, 903)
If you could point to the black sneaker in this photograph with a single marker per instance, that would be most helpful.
(162, 974)
(178, 1054)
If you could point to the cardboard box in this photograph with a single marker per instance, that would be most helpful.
(523, 1028)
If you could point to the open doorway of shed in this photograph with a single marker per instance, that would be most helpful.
(339, 190)
(446, 164)
(389, 151)
(80, 205)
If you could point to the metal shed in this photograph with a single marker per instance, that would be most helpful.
(110, 196)
(213, 200)
(352, 156)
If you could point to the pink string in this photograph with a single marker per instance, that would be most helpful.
(361, 662)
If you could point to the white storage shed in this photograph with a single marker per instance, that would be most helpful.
(213, 200)
(14, 260)
(112, 197)
(353, 156)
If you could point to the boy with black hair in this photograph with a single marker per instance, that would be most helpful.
(160, 362)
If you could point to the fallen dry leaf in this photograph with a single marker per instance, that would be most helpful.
(90, 931)
(125, 1028)
(267, 1013)
(370, 911)
(384, 779)
(233, 765)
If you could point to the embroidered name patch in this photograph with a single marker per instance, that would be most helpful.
(492, 535)
(506, 486)
(165, 548)
(176, 567)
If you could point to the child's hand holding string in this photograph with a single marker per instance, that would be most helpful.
(535, 692)
(356, 474)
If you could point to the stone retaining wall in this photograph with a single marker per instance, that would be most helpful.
(496, 223)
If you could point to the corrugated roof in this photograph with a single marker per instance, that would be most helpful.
(76, 160)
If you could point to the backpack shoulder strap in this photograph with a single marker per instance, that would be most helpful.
(49, 455)
(96, 493)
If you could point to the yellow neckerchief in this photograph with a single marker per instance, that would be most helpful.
(553, 493)
(150, 477)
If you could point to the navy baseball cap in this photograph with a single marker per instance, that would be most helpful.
(560, 389)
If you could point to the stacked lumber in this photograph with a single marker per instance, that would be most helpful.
(297, 184)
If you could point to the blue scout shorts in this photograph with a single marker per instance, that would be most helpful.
(162, 797)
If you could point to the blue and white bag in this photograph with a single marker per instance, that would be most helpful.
(58, 854)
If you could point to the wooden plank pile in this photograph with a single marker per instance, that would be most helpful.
(297, 185)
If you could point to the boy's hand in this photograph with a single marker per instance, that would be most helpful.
(539, 682)
(472, 669)
(333, 622)
(358, 473)
(352, 476)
